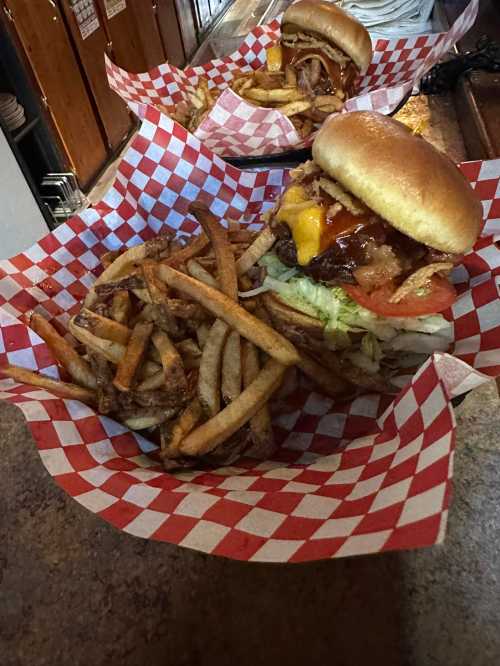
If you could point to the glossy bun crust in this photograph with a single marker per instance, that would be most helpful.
(401, 177)
(334, 25)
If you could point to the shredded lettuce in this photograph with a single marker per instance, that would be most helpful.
(342, 316)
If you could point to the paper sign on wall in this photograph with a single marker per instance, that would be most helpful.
(86, 16)
(114, 7)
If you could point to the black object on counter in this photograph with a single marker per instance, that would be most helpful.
(289, 158)
(443, 76)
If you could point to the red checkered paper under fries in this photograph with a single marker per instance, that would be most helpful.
(275, 91)
(205, 397)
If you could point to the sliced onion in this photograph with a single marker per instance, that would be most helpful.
(254, 292)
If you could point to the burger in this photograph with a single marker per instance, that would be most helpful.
(327, 47)
(367, 234)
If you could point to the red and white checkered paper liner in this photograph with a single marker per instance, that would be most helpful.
(368, 476)
(235, 127)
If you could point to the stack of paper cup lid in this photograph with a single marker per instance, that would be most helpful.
(11, 111)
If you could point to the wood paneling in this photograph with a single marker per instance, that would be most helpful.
(145, 18)
(42, 31)
(136, 41)
(111, 109)
(185, 15)
(170, 32)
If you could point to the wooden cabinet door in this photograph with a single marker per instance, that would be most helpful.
(113, 113)
(124, 33)
(170, 32)
(144, 12)
(185, 15)
(41, 30)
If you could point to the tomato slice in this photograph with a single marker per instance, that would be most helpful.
(438, 295)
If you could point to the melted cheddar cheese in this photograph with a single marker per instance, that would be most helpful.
(274, 58)
(305, 223)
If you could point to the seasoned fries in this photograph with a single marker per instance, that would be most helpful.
(165, 343)
(256, 251)
(62, 389)
(224, 257)
(302, 91)
(231, 368)
(121, 307)
(173, 368)
(136, 349)
(197, 271)
(67, 356)
(209, 372)
(206, 437)
(102, 327)
(235, 316)
(261, 431)
(189, 418)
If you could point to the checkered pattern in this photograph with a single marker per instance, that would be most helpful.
(235, 127)
(368, 476)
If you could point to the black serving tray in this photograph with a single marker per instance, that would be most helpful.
(289, 158)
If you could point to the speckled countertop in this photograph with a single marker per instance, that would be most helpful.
(74, 590)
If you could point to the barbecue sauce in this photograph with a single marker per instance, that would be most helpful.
(340, 77)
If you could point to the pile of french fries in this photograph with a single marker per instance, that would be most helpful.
(165, 344)
(273, 87)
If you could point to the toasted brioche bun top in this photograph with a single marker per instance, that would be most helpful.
(334, 25)
(401, 177)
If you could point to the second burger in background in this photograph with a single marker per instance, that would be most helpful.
(328, 48)
(367, 234)
(307, 76)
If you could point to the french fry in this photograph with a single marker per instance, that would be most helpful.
(233, 225)
(133, 255)
(226, 272)
(143, 295)
(108, 257)
(188, 347)
(207, 436)
(331, 384)
(145, 422)
(209, 380)
(255, 251)
(273, 96)
(307, 128)
(152, 382)
(242, 236)
(67, 356)
(321, 101)
(61, 389)
(197, 271)
(179, 308)
(134, 353)
(112, 351)
(106, 392)
(234, 315)
(157, 289)
(130, 281)
(293, 108)
(231, 368)
(171, 361)
(290, 76)
(202, 332)
(191, 250)
(268, 80)
(188, 420)
(109, 329)
(121, 307)
(284, 315)
(261, 431)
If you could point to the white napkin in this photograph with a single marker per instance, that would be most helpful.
(392, 17)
